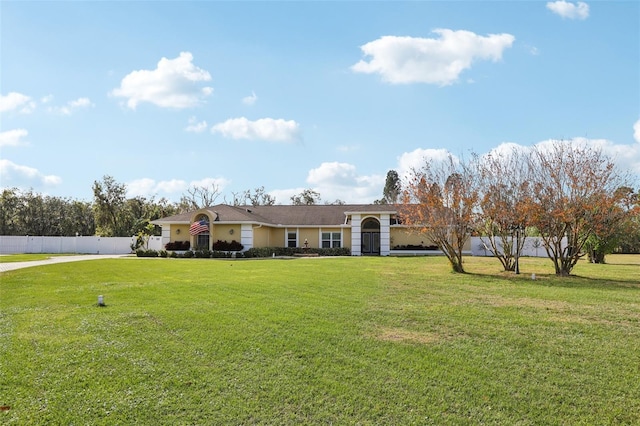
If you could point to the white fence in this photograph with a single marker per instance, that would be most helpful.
(533, 246)
(122, 245)
(88, 245)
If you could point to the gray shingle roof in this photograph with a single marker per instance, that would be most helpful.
(314, 215)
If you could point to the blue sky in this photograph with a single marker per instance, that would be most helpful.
(298, 94)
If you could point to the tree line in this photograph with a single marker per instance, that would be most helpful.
(572, 196)
(111, 213)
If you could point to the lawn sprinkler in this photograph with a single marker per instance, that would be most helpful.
(101, 301)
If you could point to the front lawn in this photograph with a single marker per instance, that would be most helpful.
(363, 340)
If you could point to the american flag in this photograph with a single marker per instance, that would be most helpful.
(198, 227)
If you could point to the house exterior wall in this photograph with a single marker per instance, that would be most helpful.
(224, 232)
(400, 236)
(346, 237)
(174, 232)
(261, 236)
(277, 237)
(311, 235)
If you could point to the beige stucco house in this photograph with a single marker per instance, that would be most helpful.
(369, 229)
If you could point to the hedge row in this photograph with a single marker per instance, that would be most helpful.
(292, 251)
(251, 253)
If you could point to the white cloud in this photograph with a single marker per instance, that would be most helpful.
(626, 157)
(636, 131)
(568, 10)
(172, 186)
(416, 159)
(70, 107)
(283, 196)
(196, 126)
(13, 137)
(147, 187)
(13, 174)
(340, 181)
(16, 101)
(250, 100)
(175, 83)
(336, 181)
(430, 60)
(219, 183)
(267, 129)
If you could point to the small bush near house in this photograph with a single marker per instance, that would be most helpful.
(146, 253)
(227, 246)
(225, 254)
(178, 245)
(202, 253)
(415, 247)
(292, 251)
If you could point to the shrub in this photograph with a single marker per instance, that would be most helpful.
(227, 246)
(178, 245)
(415, 247)
(291, 251)
(163, 253)
(202, 253)
(146, 253)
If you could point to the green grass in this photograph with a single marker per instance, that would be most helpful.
(9, 258)
(320, 341)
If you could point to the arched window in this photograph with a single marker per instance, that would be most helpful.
(371, 224)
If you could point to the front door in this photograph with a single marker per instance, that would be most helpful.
(370, 243)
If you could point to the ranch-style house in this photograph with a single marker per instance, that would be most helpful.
(365, 229)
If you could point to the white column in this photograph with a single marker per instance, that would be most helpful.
(356, 243)
(246, 236)
(385, 236)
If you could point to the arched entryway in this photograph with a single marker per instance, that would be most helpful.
(201, 236)
(370, 237)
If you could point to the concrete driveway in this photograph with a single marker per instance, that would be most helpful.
(10, 266)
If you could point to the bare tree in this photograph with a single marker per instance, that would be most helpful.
(439, 201)
(573, 187)
(198, 197)
(258, 197)
(307, 197)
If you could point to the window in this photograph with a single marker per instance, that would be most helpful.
(331, 240)
(371, 224)
(292, 239)
(395, 220)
